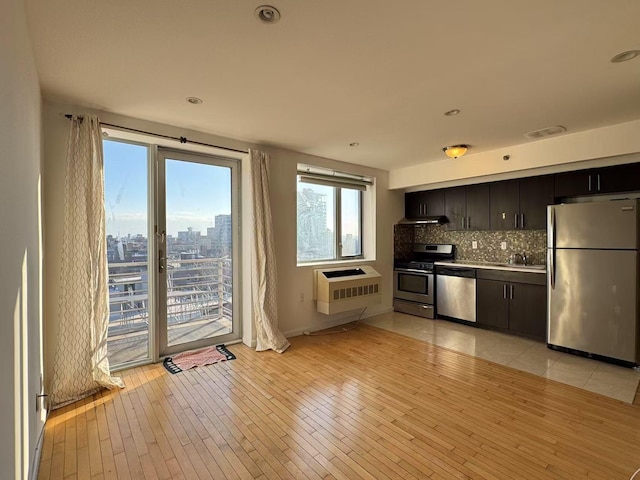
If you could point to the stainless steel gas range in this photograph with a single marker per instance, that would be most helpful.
(413, 279)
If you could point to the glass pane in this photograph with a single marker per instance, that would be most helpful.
(316, 222)
(413, 283)
(199, 244)
(126, 193)
(351, 222)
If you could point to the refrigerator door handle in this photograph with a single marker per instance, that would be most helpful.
(552, 250)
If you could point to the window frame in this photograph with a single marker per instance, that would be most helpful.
(338, 181)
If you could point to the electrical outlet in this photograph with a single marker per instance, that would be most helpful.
(503, 245)
(474, 244)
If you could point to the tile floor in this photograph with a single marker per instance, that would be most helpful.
(520, 353)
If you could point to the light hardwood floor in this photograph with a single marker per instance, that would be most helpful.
(367, 403)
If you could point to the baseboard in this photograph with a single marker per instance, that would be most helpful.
(335, 322)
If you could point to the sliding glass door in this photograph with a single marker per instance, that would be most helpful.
(172, 244)
(197, 196)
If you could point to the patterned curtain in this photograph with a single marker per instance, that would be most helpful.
(263, 260)
(81, 366)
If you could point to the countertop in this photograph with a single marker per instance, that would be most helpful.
(496, 266)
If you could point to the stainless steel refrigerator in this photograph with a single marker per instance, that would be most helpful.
(592, 278)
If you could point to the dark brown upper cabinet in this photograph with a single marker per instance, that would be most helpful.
(505, 205)
(614, 179)
(428, 203)
(521, 204)
(467, 208)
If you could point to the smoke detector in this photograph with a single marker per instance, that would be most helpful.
(545, 132)
(267, 14)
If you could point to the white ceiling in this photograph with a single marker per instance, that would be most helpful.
(331, 72)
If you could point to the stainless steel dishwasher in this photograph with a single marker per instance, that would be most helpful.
(456, 292)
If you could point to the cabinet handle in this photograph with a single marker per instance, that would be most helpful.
(511, 292)
(598, 182)
(589, 182)
(504, 291)
(468, 223)
(515, 220)
(522, 220)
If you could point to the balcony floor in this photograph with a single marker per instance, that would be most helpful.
(134, 346)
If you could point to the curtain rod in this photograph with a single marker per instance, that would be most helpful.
(169, 137)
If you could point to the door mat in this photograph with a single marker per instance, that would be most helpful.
(197, 358)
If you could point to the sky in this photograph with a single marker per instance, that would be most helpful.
(196, 192)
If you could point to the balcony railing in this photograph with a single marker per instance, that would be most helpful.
(199, 304)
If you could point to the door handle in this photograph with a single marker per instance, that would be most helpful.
(552, 248)
(161, 261)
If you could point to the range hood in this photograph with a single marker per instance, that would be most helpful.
(434, 220)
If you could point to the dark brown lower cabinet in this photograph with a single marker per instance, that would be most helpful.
(511, 305)
(492, 307)
(528, 310)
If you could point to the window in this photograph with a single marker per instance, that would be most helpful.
(330, 214)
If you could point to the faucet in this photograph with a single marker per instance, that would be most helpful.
(518, 259)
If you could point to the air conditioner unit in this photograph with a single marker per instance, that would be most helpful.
(339, 290)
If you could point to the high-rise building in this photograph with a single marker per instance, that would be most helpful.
(315, 240)
(221, 236)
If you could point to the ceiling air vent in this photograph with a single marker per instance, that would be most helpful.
(545, 132)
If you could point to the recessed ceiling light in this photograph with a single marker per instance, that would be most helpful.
(453, 112)
(267, 14)
(625, 56)
(354, 144)
(194, 100)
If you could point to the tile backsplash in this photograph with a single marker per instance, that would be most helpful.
(531, 242)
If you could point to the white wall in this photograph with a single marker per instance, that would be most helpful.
(295, 282)
(573, 151)
(20, 247)
(295, 316)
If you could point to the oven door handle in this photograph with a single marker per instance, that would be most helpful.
(411, 270)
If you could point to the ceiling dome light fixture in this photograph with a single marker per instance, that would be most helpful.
(194, 100)
(267, 14)
(625, 56)
(453, 112)
(545, 132)
(354, 144)
(455, 151)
